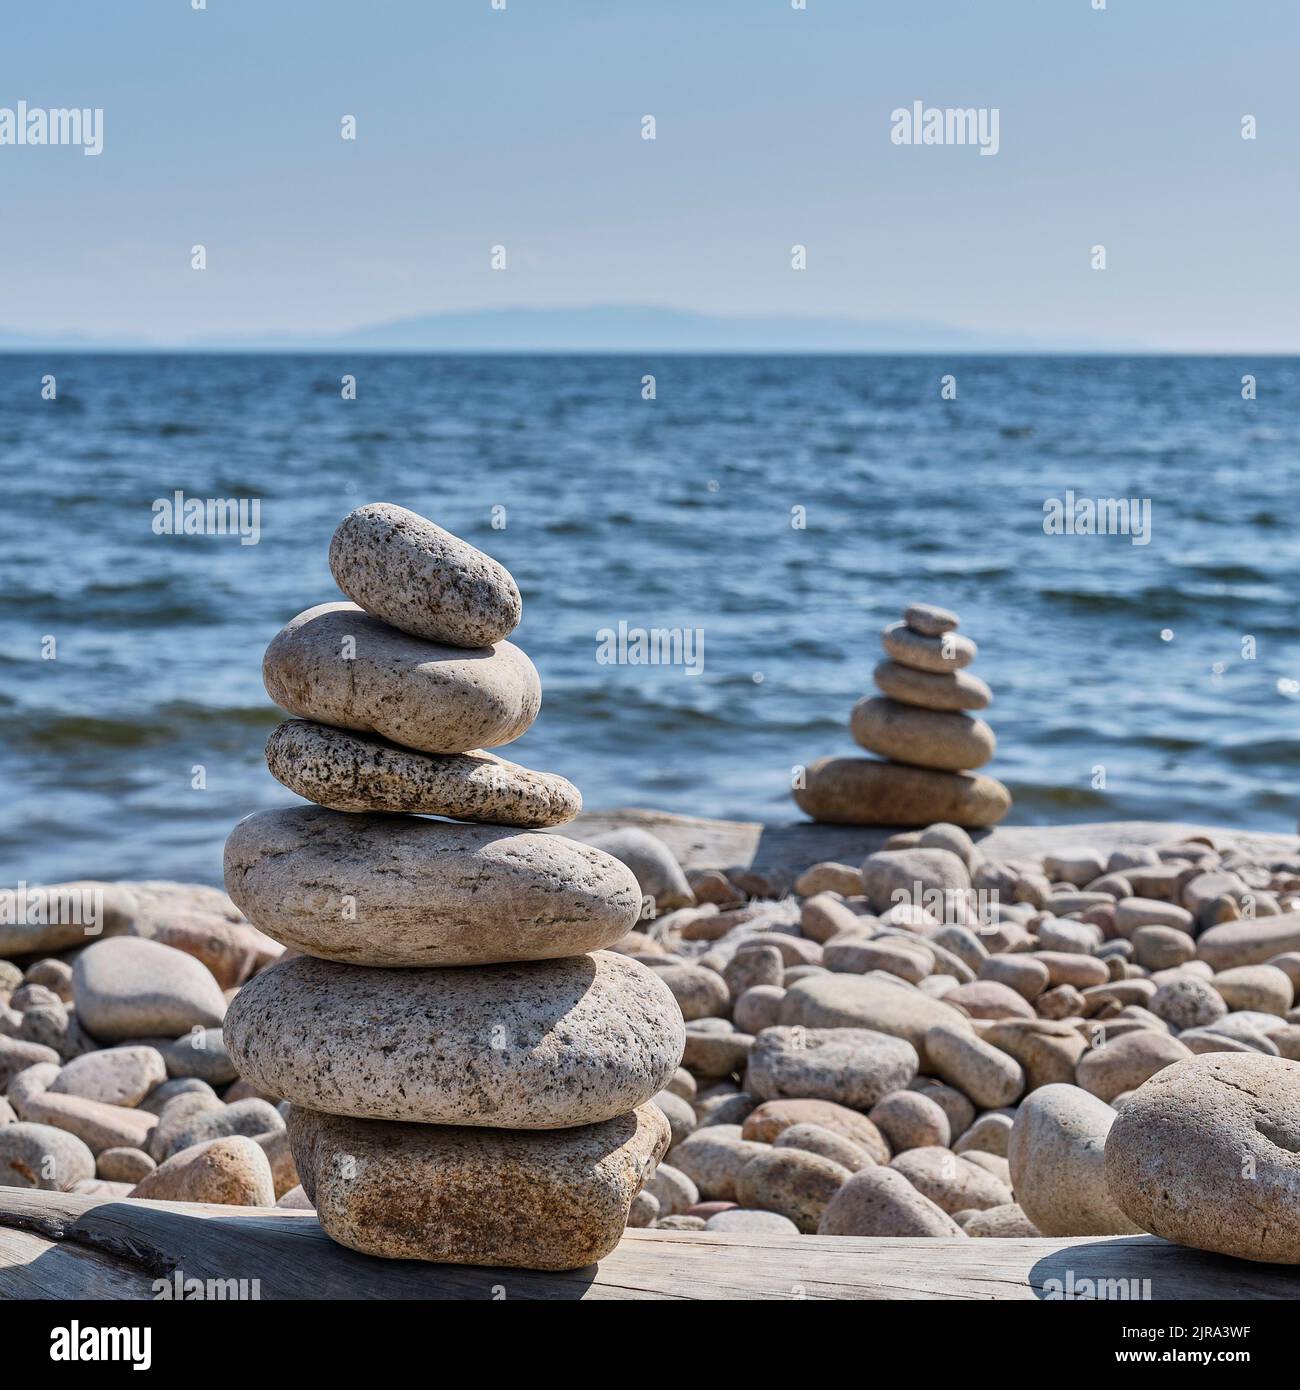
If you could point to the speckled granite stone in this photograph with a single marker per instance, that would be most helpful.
(551, 1200)
(348, 771)
(415, 576)
(399, 890)
(530, 1046)
(338, 665)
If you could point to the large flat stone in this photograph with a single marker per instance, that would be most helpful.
(862, 791)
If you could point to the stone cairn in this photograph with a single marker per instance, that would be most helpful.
(921, 727)
(468, 1069)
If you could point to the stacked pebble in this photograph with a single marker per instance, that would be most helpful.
(492, 1113)
(920, 726)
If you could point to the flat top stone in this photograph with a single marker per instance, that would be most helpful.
(929, 619)
(415, 576)
(529, 1046)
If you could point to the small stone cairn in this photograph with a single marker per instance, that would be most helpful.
(468, 1068)
(921, 727)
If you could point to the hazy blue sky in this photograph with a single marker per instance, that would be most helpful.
(522, 127)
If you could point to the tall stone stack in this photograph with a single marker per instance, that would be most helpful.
(468, 1068)
(921, 726)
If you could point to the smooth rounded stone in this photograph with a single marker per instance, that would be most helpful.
(1022, 973)
(1287, 1040)
(1288, 962)
(1258, 988)
(951, 691)
(53, 974)
(232, 951)
(231, 1171)
(295, 1200)
(348, 771)
(817, 1139)
(987, 1075)
(126, 987)
(279, 1154)
(929, 619)
(987, 999)
(1060, 1003)
(1249, 942)
(753, 966)
(828, 876)
(538, 1045)
(882, 1202)
(651, 861)
(680, 1223)
(1250, 1026)
(713, 1157)
(864, 1001)
(679, 1114)
(16, 1056)
(794, 1182)
(951, 742)
(200, 1053)
(738, 1220)
(1132, 914)
(1208, 1155)
(998, 1223)
(1162, 948)
(160, 1096)
(44, 1157)
(1047, 1051)
(728, 1110)
(1113, 885)
(864, 791)
(124, 1165)
(453, 1194)
(1200, 1040)
(682, 1083)
(963, 943)
(1057, 1158)
(115, 1076)
(700, 993)
(891, 876)
(644, 1210)
(1076, 864)
(1069, 968)
(795, 951)
(96, 1124)
(1068, 937)
(990, 1134)
(1127, 993)
(771, 1119)
(51, 1025)
(28, 995)
(182, 1127)
(909, 960)
(951, 1182)
(672, 1189)
(1186, 1002)
(990, 1162)
(713, 1053)
(824, 917)
(854, 1067)
(335, 664)
(401, 891)
(950, 652)
(954, 1103)
(758, 1008)
(911, 1120)
(413, 575)
(1127, 1062)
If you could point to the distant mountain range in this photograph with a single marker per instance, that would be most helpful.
(598, 328)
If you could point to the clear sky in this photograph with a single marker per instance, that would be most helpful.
(522, 127)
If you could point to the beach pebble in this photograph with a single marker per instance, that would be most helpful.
(530, 1046)
(951, 1182)
(1207, 1154)
(739, 1220)
(124, 1165)
(987, 1075)
(929, 619)
(1162, 948)
(990, 1134)
(854, 1067)
(1048, 1051)
(1057, 1158)
(865, 791)
(1183, 1001)
(911, 1120)
(1133, 914)
(987, 999)
(767, 1122)
(699, 993)
(96, 1124)
(1020, 972)
(401, 890)
(1076, 864)
(1126, 1062)
(828, 876)
(817, 1139)
(201, 1053)
(231, 1171)
(116, 1075)
(711, 1052)
(41, 1156)
(712, 1158)
(882, 1202)
(335, 664)
(900, 875)
(1258, 988)
(752, 966)
(679, 1114)
(181, 1128)
(672, 1189)
(680, 1223)
(793, 1182)
(644, 1210)
(126, 987)
(950, 652)
(349, 771)
(17, 1055)
(1007, 1222)
(415, 576)
(949, 741)
(758, 1008)
(909, 960)
(160, 1096)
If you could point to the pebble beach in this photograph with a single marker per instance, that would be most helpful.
(438, 1009)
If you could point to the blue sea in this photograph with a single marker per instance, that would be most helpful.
(786, 507)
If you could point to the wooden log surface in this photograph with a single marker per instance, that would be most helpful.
(719, 844)
(58, 1245)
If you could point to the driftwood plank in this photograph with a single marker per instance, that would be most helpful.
(718, 844)
(56, 1245)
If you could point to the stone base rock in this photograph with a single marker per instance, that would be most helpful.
(862, 791)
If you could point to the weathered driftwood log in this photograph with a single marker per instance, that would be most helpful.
(55, 1245)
